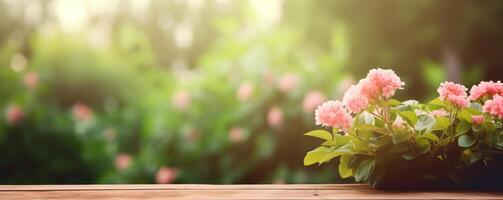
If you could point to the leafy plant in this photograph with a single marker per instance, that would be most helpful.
(458, 130)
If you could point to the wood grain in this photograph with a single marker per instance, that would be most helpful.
(147, 192)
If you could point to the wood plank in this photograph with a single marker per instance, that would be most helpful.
(148, 192)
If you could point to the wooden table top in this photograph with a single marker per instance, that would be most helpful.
(197, 191)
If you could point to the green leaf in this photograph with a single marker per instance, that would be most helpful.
(364, 170)
(344, 149)
(465, 141)
(430, 136)
(424, 122)
(476, 106)
(423, 145)
(344, 169)
(465, 115)
(393, 102)
(437, 102)
(315, 155)
(401, 137)
(320, 134)
(462, 127)
(367, 127)
(408, 156)
(441, 123)
(410, 116)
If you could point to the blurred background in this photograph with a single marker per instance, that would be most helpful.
(211, 91)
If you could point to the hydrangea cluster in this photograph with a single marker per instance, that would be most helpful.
(378, 83)
(333, 114)
(486, 89)
(453, 93)
(494, 106)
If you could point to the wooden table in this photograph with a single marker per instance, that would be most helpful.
(145, 192)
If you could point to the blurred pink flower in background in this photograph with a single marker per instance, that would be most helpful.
(439, 113)
(486, 89)
(312, 100)
(166, 175)
(245, 91)
(122, 161)
(181, 100)
(30, 80)
(345, 83)
(236, 134)
(14, 114)
(81, 111)
(494, 106)
(333, 114)
(454, 94)
(477, 119)
(275, 117)
(288, 82)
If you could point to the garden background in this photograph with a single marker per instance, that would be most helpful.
(211, 91)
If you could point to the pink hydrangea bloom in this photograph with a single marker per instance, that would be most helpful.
(82, 112)
(181, 100)
(454, 94)
(354, 100)
(245, 91)
(30, 80)
(166, 175)
(312, 100)
(380, 82)
(288, 82)
(122, 161)
(477, 119)
(439, 113)
(236, 134)
(275, 117)
(333, 114)
(486, 89)
(14, 114)
(494, 106)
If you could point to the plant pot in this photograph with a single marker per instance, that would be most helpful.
(433, 174)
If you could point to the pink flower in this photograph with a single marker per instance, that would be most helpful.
(122, 161)
(245, 91)
(14, 114)
(354, 100)
(380, 82)
(486, 89)
(439, 113)
(333, 114)
(494, 106)
(312, 100)
(82, 112)
(181, 100)
(288, 83)
(454, 94)
(30, 80)
(275, 117)
(477, 119)
(236, 134)
(166, 175)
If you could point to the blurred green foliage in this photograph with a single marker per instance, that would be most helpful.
(209, 93)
